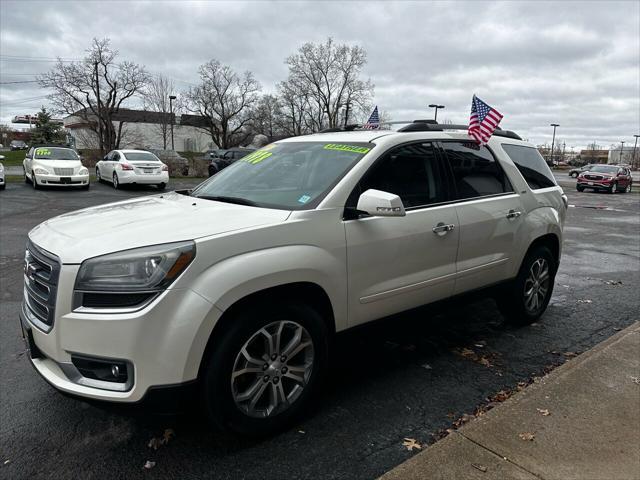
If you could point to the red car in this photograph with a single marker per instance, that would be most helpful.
(610, 178)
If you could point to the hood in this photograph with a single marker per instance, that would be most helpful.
(170, 217)
(46, 163)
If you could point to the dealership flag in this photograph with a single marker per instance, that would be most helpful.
(374, 120)
(483, 121)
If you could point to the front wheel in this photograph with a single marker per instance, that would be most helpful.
(98, 176)
(116, 183)
(266, 368)
(34, 181)
(579, 188)
(526, 298)
(628, 189)
(614, 188)
(162, 186)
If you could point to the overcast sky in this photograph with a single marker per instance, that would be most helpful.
(572, 63)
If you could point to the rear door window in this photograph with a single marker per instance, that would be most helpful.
(476, 172)
(532, 166)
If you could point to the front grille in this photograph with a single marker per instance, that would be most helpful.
(63, 172)
(41, 272)
(593, 177)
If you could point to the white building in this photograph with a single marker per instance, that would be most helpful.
(144, 129)
(618, 155)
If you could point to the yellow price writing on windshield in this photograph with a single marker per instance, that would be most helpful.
(256, 157)
(346, 148)
(43, 151)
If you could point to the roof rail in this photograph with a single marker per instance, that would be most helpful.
(345, 128)
(431, 126)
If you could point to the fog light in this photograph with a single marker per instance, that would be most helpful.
(101, 369)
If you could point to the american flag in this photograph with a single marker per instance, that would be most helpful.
(483, 121)
(374, 120)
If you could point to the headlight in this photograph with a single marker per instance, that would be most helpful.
(41, 171)
(140, 269)
(132, 278)
(83, 171)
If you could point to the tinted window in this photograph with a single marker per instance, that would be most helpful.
(412, 172)
(146, 156)
(476, 173)
(531, 165)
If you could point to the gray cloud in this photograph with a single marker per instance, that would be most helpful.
(573, 63)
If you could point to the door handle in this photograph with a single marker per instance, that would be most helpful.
(513, 214)
(442, 228)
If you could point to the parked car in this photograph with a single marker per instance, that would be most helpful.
(3, 183)
(54, 166)
(215, 153)
(18, 145)
(227, 158)
(574, 172)
(610, 178)
(234, 290)
(140, 167)
(178, 165)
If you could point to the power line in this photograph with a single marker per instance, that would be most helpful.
(21, 81)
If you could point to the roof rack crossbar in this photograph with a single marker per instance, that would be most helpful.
(422, 126)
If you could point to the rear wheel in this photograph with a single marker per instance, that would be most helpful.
(116, 183)
(162, 186)
(266, 368)
(527, 297)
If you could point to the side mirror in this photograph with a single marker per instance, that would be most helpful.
(104, 158)
(381, 204)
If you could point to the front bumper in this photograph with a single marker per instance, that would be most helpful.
(163, 343)
(594, 184)
(62, 181)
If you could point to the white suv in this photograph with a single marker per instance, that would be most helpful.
(236, 288)
(54, 166)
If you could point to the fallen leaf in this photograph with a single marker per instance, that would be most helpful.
(484, 361)
(411, 443)
(613, 282)
(527, 436)
(167, 435)
(482, 468)
(467, 352)
(427, 366)
(635, 380)
(301, 431)
(149, 465)
(543, 411)
(6, 462)
(570, 354)
(585, 301)
(617, 329)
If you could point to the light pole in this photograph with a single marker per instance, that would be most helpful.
(635, 147)
(171, 99)
(436, 106)
(564, 145)
(621, 151)
(553, 141)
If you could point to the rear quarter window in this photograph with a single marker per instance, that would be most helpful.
(532, 166)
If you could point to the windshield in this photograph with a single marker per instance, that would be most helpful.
(291, 176)
(53, 153)
(604, 169)
(143, 156)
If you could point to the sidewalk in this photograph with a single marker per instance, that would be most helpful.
(591, 432)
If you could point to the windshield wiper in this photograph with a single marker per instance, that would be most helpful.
(222, 198)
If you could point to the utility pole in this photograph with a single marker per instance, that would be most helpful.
(171, 99)
(563, 149)
(553, 141)
(101, 143)
(621, 151)
(635, 147)
(436, 106)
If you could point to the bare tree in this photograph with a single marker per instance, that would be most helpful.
(329, 74)
(225, 100)
(95, 89)
(156, 99)
(267, 116)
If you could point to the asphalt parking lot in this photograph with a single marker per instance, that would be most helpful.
(408, 376)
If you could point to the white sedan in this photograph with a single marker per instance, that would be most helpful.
(2, 181)
(132, 167)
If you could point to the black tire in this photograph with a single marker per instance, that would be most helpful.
(116, 183)
(579, 188)
(628, 188)
(512, 301)
(98, 176)
(26, 179)
(574, 175)
(162, 186)
(217, 393)
(34, 181)
(2, 187)
(87, 186)
(614, 188)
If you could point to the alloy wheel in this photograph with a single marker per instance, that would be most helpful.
(115, 181)
(98, 177)
(536, 285)
(628, 189)
(272, 369)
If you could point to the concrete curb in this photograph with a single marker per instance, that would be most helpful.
(591, 429)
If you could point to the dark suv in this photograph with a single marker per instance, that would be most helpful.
(574, 172)
(228, 158)
(610, 178)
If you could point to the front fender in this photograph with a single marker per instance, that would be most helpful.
(232, 279)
